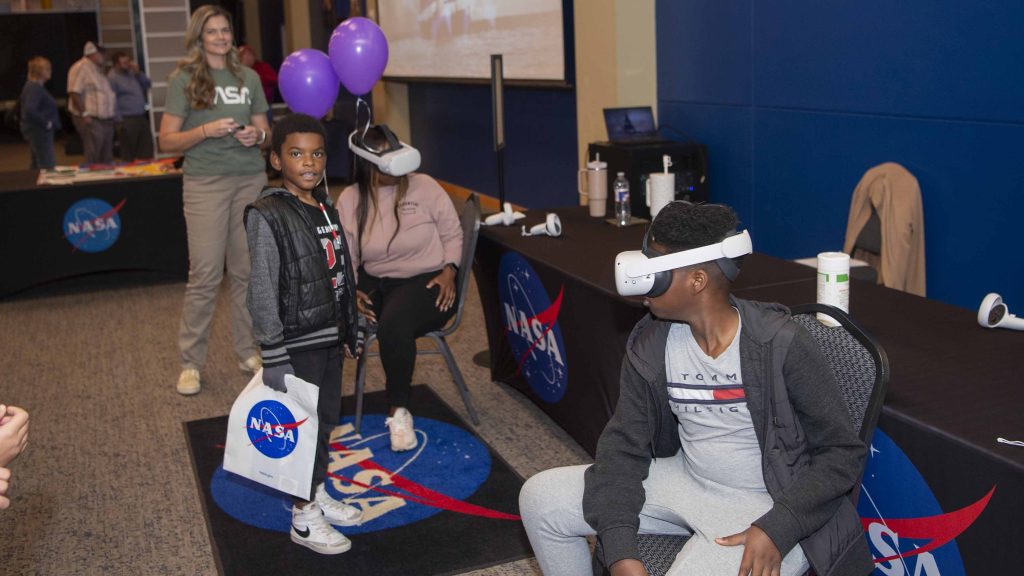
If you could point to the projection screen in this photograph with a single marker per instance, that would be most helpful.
(453, 39)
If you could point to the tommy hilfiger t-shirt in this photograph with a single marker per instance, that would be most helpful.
(706, 395)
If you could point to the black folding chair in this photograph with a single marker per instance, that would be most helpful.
(470, 220)
(862, 370)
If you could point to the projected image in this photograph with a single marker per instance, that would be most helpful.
(455, 38)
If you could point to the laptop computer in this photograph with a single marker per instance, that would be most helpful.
(634, 125)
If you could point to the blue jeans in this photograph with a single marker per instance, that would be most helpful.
(40, 142)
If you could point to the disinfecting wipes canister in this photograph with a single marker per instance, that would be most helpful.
(833, 283)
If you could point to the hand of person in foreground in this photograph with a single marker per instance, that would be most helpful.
(13, 432)
(760, 556)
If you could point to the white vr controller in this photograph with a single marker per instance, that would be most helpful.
(504, 218)
(993, 313)
(551, 226)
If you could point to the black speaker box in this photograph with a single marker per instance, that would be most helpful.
(639, 160)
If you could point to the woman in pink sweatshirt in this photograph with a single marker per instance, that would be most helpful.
(406, 245)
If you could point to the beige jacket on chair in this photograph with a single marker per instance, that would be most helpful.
(896, 196)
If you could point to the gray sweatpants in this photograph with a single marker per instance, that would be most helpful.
(214, 208)
(677, 502)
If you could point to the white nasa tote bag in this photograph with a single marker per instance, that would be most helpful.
(272, 435)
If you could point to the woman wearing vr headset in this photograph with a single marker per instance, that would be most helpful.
(407, 244)
(216, 117)
(729, 427)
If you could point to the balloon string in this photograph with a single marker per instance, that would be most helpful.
(369, 115)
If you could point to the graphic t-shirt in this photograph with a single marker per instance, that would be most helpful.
(329, 238)
(706, 395)
(224, 156)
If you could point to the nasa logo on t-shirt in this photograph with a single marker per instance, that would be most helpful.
(531, 325)
(232, 95)
(272, 428)
(907, 530)
(92, 225)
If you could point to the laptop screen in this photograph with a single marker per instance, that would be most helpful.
(630, 123)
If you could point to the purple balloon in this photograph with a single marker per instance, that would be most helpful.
(308, 82)
(359, 53)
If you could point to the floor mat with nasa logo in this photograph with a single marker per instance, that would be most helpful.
(447, 507)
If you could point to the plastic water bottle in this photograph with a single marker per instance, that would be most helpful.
(621, 191)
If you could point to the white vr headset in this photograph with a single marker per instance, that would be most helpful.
(379, 146)
(637, 274)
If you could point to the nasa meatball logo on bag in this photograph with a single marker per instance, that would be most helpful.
(272, 435)
(272, 428)
(531, 326)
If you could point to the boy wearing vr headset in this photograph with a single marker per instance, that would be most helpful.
(729, 427)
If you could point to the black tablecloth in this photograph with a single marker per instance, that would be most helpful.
(37, 245)
(955, 386)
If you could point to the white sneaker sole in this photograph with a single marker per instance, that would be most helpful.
(321, 548)
(401, 448)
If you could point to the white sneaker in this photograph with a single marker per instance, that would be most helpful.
(251, 364)
(403, 435)
(188, 382)
(311, 529)
(337, 513)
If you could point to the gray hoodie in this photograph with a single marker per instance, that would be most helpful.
(811, 457)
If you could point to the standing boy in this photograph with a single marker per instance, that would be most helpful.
(301, 299)
(729, 427)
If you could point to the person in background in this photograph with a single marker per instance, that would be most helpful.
(13, 439)
(266, 72)
(92, 105)
(215, 115)
(408, 245)
(39, 119)
(302, 301)
(132, 122)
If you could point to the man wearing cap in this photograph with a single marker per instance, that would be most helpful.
(132, 122)
(91, 102)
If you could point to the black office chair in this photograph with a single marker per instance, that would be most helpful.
(862, 371)
(470, 220)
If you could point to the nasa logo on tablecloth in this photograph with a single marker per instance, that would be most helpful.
(906, 529)
(272, 428)
(391, 488)
(531, 326)
(92, 225)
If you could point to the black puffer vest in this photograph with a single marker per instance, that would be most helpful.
(305, 296)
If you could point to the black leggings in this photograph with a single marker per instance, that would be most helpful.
(405, 311)
(323, 368)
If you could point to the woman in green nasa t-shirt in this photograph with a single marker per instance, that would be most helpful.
(216, 116)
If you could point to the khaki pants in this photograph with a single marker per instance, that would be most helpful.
(214, 209)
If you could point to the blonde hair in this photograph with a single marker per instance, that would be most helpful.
(36, 65)
(200, 89)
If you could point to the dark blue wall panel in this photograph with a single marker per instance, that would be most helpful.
(702, 63)
(836, 88)
(934, 58)
(451, 125)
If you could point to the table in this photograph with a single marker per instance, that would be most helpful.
(51, 232)
(954, 387)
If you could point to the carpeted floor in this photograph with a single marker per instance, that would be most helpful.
(105, 486)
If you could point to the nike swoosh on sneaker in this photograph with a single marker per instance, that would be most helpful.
(301, 533)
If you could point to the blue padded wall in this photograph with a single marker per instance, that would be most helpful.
(796, 100)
